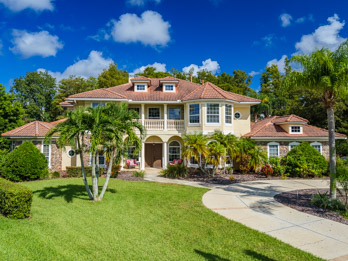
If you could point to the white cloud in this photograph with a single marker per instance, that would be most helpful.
(207, 65)
(148, 29)
(280, 63)
(160, 67)
(300, 20)
(36, 5)
(92, 66)
(324, 36)
(285, 19)
(141, 2)
(253, 73)
(35, 44)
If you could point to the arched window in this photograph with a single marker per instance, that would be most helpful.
(174, 151)
(273, 149)
(317, 146)
(293, 145)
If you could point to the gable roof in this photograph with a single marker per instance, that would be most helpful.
(32, 129)
(269, 127)
(184, 91)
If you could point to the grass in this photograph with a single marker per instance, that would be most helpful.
(135, 221)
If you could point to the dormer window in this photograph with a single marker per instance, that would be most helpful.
(295, 129)
(140, 87)
(169, 87)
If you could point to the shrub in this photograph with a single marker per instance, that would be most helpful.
(115, 170)
(139, 174)
(175, 171)
(323, 201)
(267, 170)
(304, 160)
(15, 200)
(342, 179)
(25, 162)
(76, 172)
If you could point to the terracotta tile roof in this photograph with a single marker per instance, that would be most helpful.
(269, 127)
(66, 104)
(54, 123)
(32, 129)
(184, 91)
(289, 119)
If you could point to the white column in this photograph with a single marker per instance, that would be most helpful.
(185, 115)
(165, 155)
(142, 114)
(122, 163)
(142, 159)
(165, 117)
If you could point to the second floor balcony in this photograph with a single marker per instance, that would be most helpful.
(151, 124)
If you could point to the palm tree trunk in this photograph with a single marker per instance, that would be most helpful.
(94, 178)
(84, 176)
(108, 175)
(332, 150)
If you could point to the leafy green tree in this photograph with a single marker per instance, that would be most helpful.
(11, 114)
(327, 72)
(35, 92)
(151, 73)
(112, 77)
(67, 87)
(195, 145)
(271, 80)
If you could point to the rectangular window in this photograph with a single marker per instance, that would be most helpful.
(101, 159)
(317, 147)
(228, 114)
(140, 87)
(194, 114)
(295, 129)
(131, 153)
(173, 153)
(46, 151)
(273, 150)
(169, 87)
(154, 113)
(96, 104)
(213, 113)
(136, 109)
(174, 114)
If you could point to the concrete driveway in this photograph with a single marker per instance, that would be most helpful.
(252, 204)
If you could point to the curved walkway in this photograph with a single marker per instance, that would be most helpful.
(252, 204)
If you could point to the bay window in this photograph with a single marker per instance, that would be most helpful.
(213, 113)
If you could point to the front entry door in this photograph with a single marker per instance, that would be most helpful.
(153, 155)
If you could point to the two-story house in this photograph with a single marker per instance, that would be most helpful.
(170, 108)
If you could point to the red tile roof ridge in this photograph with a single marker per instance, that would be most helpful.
(322, 129)
(292, 116)
(58, 121)
(254, 132)
(216, 88)
(113, 92)
(195, 90)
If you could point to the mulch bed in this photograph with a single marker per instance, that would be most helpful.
(127, 175)
(301, 201)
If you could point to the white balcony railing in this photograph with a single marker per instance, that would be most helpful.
(159, 124)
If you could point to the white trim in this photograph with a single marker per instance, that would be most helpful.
(49, 152)
(199, 115)
(229, 124)
(318, 144)
(140, 81)
(294, 138)
(206, 115)
(163, 81)
(234, 117)
(67, 153)
(273, 143)
(148, 113)
(174, 146)
(136, 88)
(96, 99)
(291, 132)
(294, 143)
(28, 137)
(152, 102)
(165, 85)
(218, 100)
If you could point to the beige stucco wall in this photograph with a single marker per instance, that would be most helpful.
(242, 125)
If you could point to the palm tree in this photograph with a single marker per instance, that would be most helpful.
(217, 152)
(229, 141)
(122, 124)
(73, 132)
(195, 145)
(326, 71)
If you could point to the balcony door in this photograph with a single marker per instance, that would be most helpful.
(153, 155)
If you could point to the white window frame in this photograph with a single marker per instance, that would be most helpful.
(138, 159)
(318, 144)
(194, 165)
(49, 152)
(100, 165)
(293, 144)
(175, 108)
(148, 113)
(291, 132)
(270, 144)
(165, 86)
(206, 115)
(176, 147)
(138, 84)
(97, 104)
(226, 105)
(199, 115)
(234, 117)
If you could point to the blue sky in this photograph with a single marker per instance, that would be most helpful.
(83, 37)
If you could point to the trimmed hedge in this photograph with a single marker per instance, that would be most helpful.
(15, 200)
(75, 172)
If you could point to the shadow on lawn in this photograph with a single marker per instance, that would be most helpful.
(257, 256)
(209, 256)
(68, 192)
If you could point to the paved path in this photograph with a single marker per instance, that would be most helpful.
(252, 204)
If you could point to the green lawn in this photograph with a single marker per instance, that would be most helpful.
(135, 221)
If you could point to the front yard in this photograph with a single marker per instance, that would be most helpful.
(135, 221)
